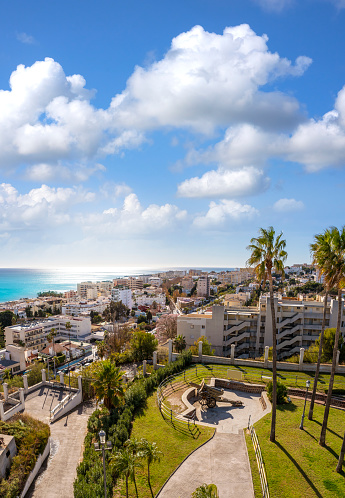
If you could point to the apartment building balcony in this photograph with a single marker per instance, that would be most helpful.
(290, 342)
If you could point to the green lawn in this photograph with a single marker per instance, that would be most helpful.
(174, 445)
(296, 466)
(254, 375)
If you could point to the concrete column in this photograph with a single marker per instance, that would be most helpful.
(232, 354)
(62, 377)
(155, 360)
(44, 375)
(21, 396)
(301, 356)
(144, 368)
(5, 386)
(170, 350)
(267, 348)
(80, 383)
(2, 410)
(26, 384)
(337, 360)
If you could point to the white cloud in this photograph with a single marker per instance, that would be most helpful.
(222, 183)
(206, 80)
(132, 219)
(40, 208)
(288, 205)
(48, 172)
(114, 190)
(320, 144)
(225, 211)
(25, 38)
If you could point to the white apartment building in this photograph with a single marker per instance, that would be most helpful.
(250, 329)
(203, 287)
(92, 289)
(135, 283)
(33, 335)
(124, 295)
(78, 308)
(142, 299)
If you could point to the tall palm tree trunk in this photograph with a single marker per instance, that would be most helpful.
(148, 478)
(126, 486)
(322, 440)
(274, 363)
(317, 371)
(135, 484)
(341, 457)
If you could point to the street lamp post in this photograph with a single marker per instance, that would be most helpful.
(105, 445)
(305, 402)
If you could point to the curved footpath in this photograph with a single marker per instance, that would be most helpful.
(224, 459)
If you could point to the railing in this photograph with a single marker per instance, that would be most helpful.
(260, 462)
(62, 404)
(174, 383)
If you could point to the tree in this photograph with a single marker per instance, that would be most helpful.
(206, 491)
(102, 349)
(328, 345)
(180, 343)
(28, 311)
(51, 337)
(115, 311)
(125, 463)
(167, 327)
(134, 447)
(267, 253)
(149, 316)
(68, 327)
(108, 384)
(206, 347)
(143, 344)
(152, 454)
(339, 467)
(332, 259)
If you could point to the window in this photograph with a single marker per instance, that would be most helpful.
(202, 326)
(192, 326)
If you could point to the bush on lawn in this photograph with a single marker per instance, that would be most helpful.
(281, 392)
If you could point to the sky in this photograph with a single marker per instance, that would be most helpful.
(157, 134)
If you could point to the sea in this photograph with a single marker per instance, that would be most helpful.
(18, 283)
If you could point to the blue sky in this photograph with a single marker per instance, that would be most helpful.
(165, 134)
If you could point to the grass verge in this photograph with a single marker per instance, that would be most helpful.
(296, 466)
(174, 445)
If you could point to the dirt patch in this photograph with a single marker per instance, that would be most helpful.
(174, 401)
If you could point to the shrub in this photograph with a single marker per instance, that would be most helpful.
(281, 392)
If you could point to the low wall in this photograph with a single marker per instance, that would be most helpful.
(239, 386)
(190, 411)
(300, 393)
(35, 470)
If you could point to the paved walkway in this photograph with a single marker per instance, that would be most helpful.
(67, 434)
(223, 460)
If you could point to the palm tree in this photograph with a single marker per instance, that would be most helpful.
(125, 462)
(108, 384)
(134, 447)
(206, 491)
(319, 251)
(180, 343)
(333, 264)
(267, 253)
(152, 454)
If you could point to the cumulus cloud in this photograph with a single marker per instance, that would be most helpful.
(223, 183)
(225, 211)
(40, 207)
(321, 143)
(288, 205)
(132, 219)
(206, 80)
